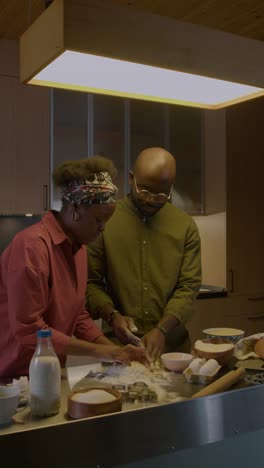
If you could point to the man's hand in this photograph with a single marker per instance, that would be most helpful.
(122, 328)
(154, 342)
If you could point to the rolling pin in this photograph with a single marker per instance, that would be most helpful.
(222, 384)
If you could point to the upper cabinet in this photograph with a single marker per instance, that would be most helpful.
(69, 117)
(108, 133)
(86, 124)
(24, 135)
(245, 195)
(147, 126)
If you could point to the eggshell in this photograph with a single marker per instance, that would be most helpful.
(209, 368)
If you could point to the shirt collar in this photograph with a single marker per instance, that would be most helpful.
(132, 208)
(130, 205)
(56, 233)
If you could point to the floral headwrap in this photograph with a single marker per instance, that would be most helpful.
(96, 189)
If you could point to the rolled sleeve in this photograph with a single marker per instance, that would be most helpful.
(86, 329)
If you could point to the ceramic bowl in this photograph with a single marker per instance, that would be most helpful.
(176, 362)
(79, 410)
(231, 334)
(222, 357)
(9, 396)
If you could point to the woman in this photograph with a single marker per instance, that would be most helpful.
(43, 274)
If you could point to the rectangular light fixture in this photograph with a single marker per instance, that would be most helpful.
(95, 46)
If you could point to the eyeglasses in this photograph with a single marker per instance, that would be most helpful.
(149, 196)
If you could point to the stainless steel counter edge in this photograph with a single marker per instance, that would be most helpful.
(129, 437)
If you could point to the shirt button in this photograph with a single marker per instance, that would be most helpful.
(144, 242)
(145, 288)
(146, 313)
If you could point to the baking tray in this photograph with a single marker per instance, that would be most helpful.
(256, 379)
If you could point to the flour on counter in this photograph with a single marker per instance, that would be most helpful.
(155, 378)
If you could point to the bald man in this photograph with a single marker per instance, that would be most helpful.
(145, 268)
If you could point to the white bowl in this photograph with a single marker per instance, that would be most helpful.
(9, 396)
(231, 334)
(176, 362)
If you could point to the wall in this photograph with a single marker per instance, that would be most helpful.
(212, 230)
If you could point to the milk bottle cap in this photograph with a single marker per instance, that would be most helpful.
(43, 333)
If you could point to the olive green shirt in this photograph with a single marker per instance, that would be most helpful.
(145, 267)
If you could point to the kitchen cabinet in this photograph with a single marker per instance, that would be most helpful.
(244, 219)
(70, 139)
(214, 161)
(88, 124)
(148, 122)
(186, 144)
(208, 313)
(108, 134)
(245, 195)
(25, 148)
(246, 313)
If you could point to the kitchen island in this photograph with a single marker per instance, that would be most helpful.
(157, 436)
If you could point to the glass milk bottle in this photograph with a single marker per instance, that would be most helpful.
(44, 377)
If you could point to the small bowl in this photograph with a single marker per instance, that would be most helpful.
(176, 362)
(79, 410)
(231, 334)
(222, 357)
(9, 396)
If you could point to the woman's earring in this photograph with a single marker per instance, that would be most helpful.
(75, 216)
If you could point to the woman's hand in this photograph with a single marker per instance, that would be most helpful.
(136, 353)
(112, 353)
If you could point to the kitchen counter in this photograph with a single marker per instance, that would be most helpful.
(209, 292)
(127, 437)
(24, 421)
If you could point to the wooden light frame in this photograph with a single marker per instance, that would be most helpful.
(99, 28)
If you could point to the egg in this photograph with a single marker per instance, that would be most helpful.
(259, 348)
(209, 368)
(196, 365)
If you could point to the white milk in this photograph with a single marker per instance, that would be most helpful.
(45, 385)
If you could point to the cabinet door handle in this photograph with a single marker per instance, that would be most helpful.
(231, 280)
(256, 299)
(45, 197)
(257, 317)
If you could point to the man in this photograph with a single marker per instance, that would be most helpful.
(43, 274)
(146, 265)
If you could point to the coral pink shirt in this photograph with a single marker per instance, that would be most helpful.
(42, 285)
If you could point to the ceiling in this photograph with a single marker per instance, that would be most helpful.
(242, 17)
